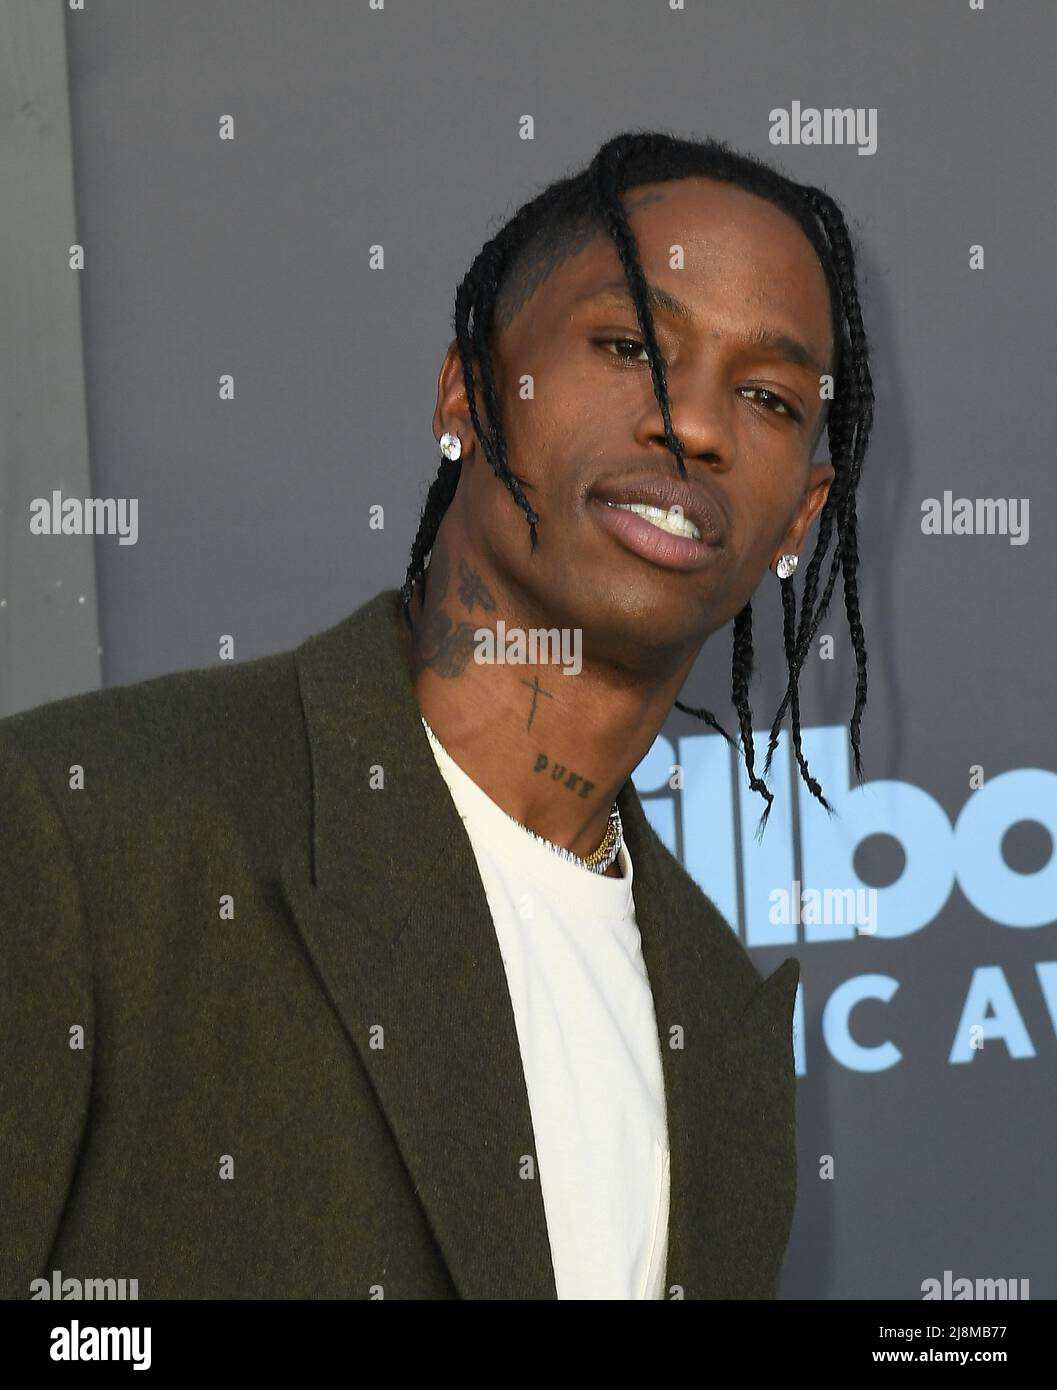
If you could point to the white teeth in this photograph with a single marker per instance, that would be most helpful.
(674, 522)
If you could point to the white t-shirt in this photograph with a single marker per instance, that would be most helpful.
(589, 1049)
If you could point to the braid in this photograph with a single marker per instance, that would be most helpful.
(604, 167)
(557, 223)
(849, 429)
(441, 491)
(741, 674)
(485, 282)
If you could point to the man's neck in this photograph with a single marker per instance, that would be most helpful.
(552, 750)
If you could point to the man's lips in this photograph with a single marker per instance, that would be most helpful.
(660, 490)
(642, 537)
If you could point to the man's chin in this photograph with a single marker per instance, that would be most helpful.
(638, 636)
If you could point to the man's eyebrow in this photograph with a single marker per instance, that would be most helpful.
(760, 336)
(658, 299)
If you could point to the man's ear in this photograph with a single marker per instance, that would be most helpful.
(819, 478)
(452, 412)
(453, 409)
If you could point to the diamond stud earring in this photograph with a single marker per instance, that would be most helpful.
(451, 446)
(786, 566)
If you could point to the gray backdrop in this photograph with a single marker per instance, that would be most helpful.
(400, 126)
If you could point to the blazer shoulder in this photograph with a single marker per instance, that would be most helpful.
(168, 746)
(182, 706)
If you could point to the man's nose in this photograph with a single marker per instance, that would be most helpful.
(701, 416)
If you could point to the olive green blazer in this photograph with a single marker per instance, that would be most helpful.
(256, 1035)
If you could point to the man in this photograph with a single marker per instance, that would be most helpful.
(358, 971)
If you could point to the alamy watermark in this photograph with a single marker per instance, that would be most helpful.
(830, 125)
(845, 907)
(72, 1288)
(537, 646)
(962, 1288)
(77, 1343)
(976, 516)
(94, 516)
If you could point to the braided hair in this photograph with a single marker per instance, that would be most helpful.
(556, 224)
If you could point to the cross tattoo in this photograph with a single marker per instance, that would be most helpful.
(537, 690)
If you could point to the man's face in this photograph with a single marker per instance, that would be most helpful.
(593, 420)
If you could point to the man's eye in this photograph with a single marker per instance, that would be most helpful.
(774, 402)
(632, 343)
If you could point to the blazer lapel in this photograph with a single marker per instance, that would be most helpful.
(394, 914)
(390, 904)
(730, 1086)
